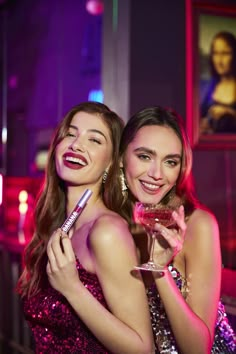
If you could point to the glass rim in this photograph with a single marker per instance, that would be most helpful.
(156, 206)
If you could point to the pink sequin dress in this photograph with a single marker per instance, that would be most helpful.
(56, 328)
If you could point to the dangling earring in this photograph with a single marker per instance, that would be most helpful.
(124, 186)
(104, 177)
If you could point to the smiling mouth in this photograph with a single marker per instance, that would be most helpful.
(150, 186)
(75, 160)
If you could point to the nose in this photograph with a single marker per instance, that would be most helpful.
(155, 170)
(77, 145)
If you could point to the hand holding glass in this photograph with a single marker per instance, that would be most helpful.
(148, 215)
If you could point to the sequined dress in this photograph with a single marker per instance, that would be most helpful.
(56, 328)
(225, 339)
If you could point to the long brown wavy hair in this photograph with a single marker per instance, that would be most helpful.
(50, 211)
(183, 192)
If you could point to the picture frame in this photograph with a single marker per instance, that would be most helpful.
(211, 124)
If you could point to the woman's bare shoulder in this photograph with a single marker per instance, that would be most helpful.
(200, 217)
(202, 227)
(109, 225)
(110, 237)
(109, 218)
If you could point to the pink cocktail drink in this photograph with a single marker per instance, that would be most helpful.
(148, 215)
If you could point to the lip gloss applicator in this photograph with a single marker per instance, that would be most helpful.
(69, 222)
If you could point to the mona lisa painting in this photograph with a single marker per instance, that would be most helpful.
(211, 77)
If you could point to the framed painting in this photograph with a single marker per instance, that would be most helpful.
(211, 75)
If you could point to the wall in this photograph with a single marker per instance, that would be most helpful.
(52, 60)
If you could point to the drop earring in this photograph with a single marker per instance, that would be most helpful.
(104, 177)
(124, 186)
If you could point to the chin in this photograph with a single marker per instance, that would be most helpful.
(150, 199)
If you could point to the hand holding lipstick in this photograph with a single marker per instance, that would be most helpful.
(61, 267)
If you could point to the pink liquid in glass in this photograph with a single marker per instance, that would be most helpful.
(148, 218)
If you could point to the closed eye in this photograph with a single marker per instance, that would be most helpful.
(95, 140)
(70, 134)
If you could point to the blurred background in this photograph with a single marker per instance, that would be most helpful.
(126, 53)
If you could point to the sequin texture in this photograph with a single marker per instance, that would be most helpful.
(224, 341)
(56, 328)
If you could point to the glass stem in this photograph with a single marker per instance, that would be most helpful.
(151, 260)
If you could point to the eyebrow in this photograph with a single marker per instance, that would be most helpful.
(152, 152)
(144, 149)
(90, 131)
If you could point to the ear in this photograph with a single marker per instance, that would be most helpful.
(121, 163)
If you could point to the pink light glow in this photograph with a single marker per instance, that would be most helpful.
(1, 186)
(95, 7)
(189, 69)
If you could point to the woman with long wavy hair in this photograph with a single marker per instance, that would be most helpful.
(79, 294)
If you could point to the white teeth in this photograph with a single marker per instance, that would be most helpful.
(151, 186)
(76, 160)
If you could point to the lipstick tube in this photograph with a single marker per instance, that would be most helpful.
(69, 222)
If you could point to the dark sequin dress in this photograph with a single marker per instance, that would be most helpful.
(225, 339)
(56, 328)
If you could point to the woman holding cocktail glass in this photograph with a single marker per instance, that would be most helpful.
(184, 290)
